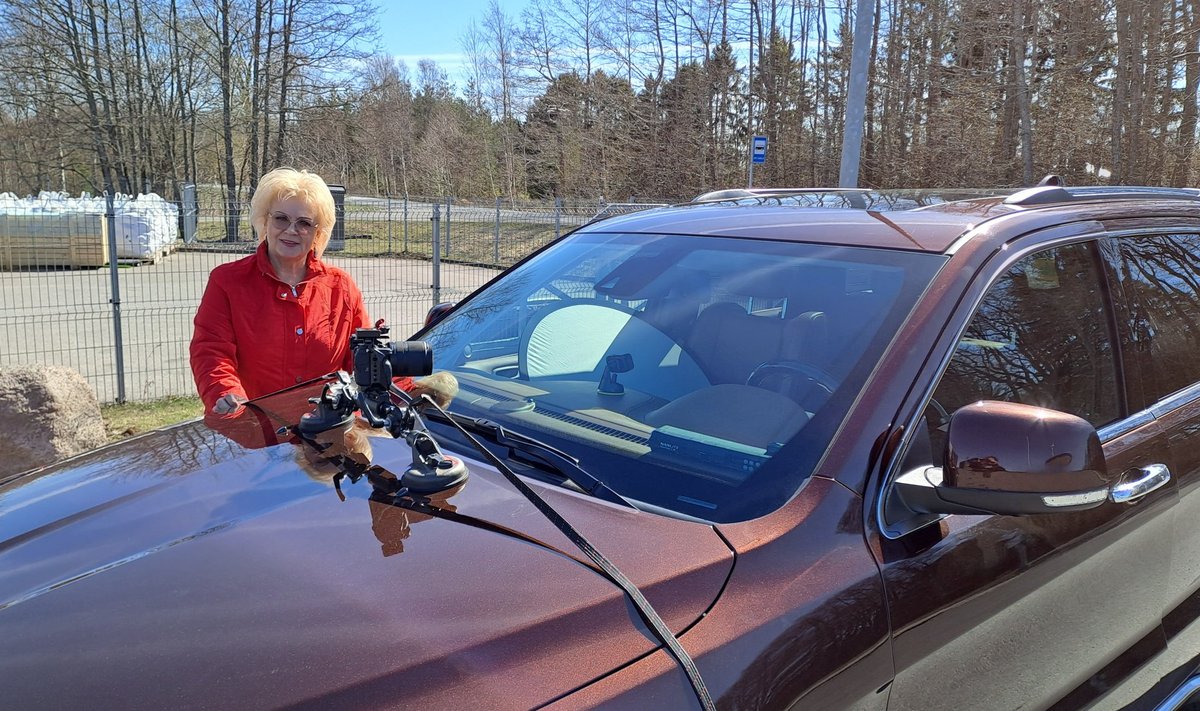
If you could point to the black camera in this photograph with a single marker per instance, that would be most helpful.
(376, 361)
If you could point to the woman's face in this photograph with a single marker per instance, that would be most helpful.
(291, 229)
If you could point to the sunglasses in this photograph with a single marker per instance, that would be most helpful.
(282, 223)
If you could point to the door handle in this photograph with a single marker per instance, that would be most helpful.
(1149, 478)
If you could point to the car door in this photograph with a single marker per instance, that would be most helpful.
(1159, 274)
(1030, 611)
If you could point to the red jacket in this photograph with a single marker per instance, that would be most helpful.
(254, 334)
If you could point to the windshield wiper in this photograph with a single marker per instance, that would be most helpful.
(557, 460)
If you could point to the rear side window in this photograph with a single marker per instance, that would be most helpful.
(1041, 337)
(1161, 282)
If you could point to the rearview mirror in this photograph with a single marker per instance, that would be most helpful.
(1008, 458)
(438, 312)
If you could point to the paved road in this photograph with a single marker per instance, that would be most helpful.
(65, 318)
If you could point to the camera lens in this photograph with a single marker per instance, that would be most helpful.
(411, 358)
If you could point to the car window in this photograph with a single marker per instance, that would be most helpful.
(678, 369)
(1160, 277)
(1040, 337)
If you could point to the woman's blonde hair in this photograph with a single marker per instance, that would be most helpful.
(287, 183)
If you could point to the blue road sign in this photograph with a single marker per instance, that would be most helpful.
(758, 151)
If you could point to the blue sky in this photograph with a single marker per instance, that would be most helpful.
(412, 30)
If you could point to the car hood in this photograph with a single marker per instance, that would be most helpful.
(182, 569)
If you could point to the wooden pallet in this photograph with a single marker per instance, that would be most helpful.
(66, 240)
(158, 255)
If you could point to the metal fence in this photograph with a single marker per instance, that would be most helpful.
(125, 324)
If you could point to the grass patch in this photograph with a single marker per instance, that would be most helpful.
(130, 418)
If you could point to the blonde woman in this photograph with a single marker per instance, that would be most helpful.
(281, 315)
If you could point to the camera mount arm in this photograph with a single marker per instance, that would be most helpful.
(371, 392)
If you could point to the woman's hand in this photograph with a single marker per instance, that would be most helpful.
(228, 403)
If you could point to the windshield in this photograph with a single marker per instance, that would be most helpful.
(700, 375)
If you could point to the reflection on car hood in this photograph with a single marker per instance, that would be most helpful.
(181, 570)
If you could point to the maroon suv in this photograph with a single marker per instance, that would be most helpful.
(755, 452)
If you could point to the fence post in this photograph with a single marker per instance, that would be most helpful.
(557, 217)
(232, 218)
(436, 254)
(110, 222)
(447, 225)
(189, 212)
(496, 240)
(406, 223)
(337, 236)
(389, 224)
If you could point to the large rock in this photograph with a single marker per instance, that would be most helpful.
(46, 414)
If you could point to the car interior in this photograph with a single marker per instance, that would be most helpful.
(707, 360)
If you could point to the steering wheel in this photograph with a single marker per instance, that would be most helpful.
(824, 382)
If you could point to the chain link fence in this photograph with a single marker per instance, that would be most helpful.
(125, 323)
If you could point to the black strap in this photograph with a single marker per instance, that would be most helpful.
(610, 571)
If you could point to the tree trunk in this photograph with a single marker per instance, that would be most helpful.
(232, 199)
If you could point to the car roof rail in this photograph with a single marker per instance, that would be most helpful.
(1051, 191)
(853, 195)
(741, 192)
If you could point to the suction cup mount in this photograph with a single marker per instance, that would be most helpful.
(431, 471)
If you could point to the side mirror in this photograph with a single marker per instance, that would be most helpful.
(1007, 458)
(438, 312)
